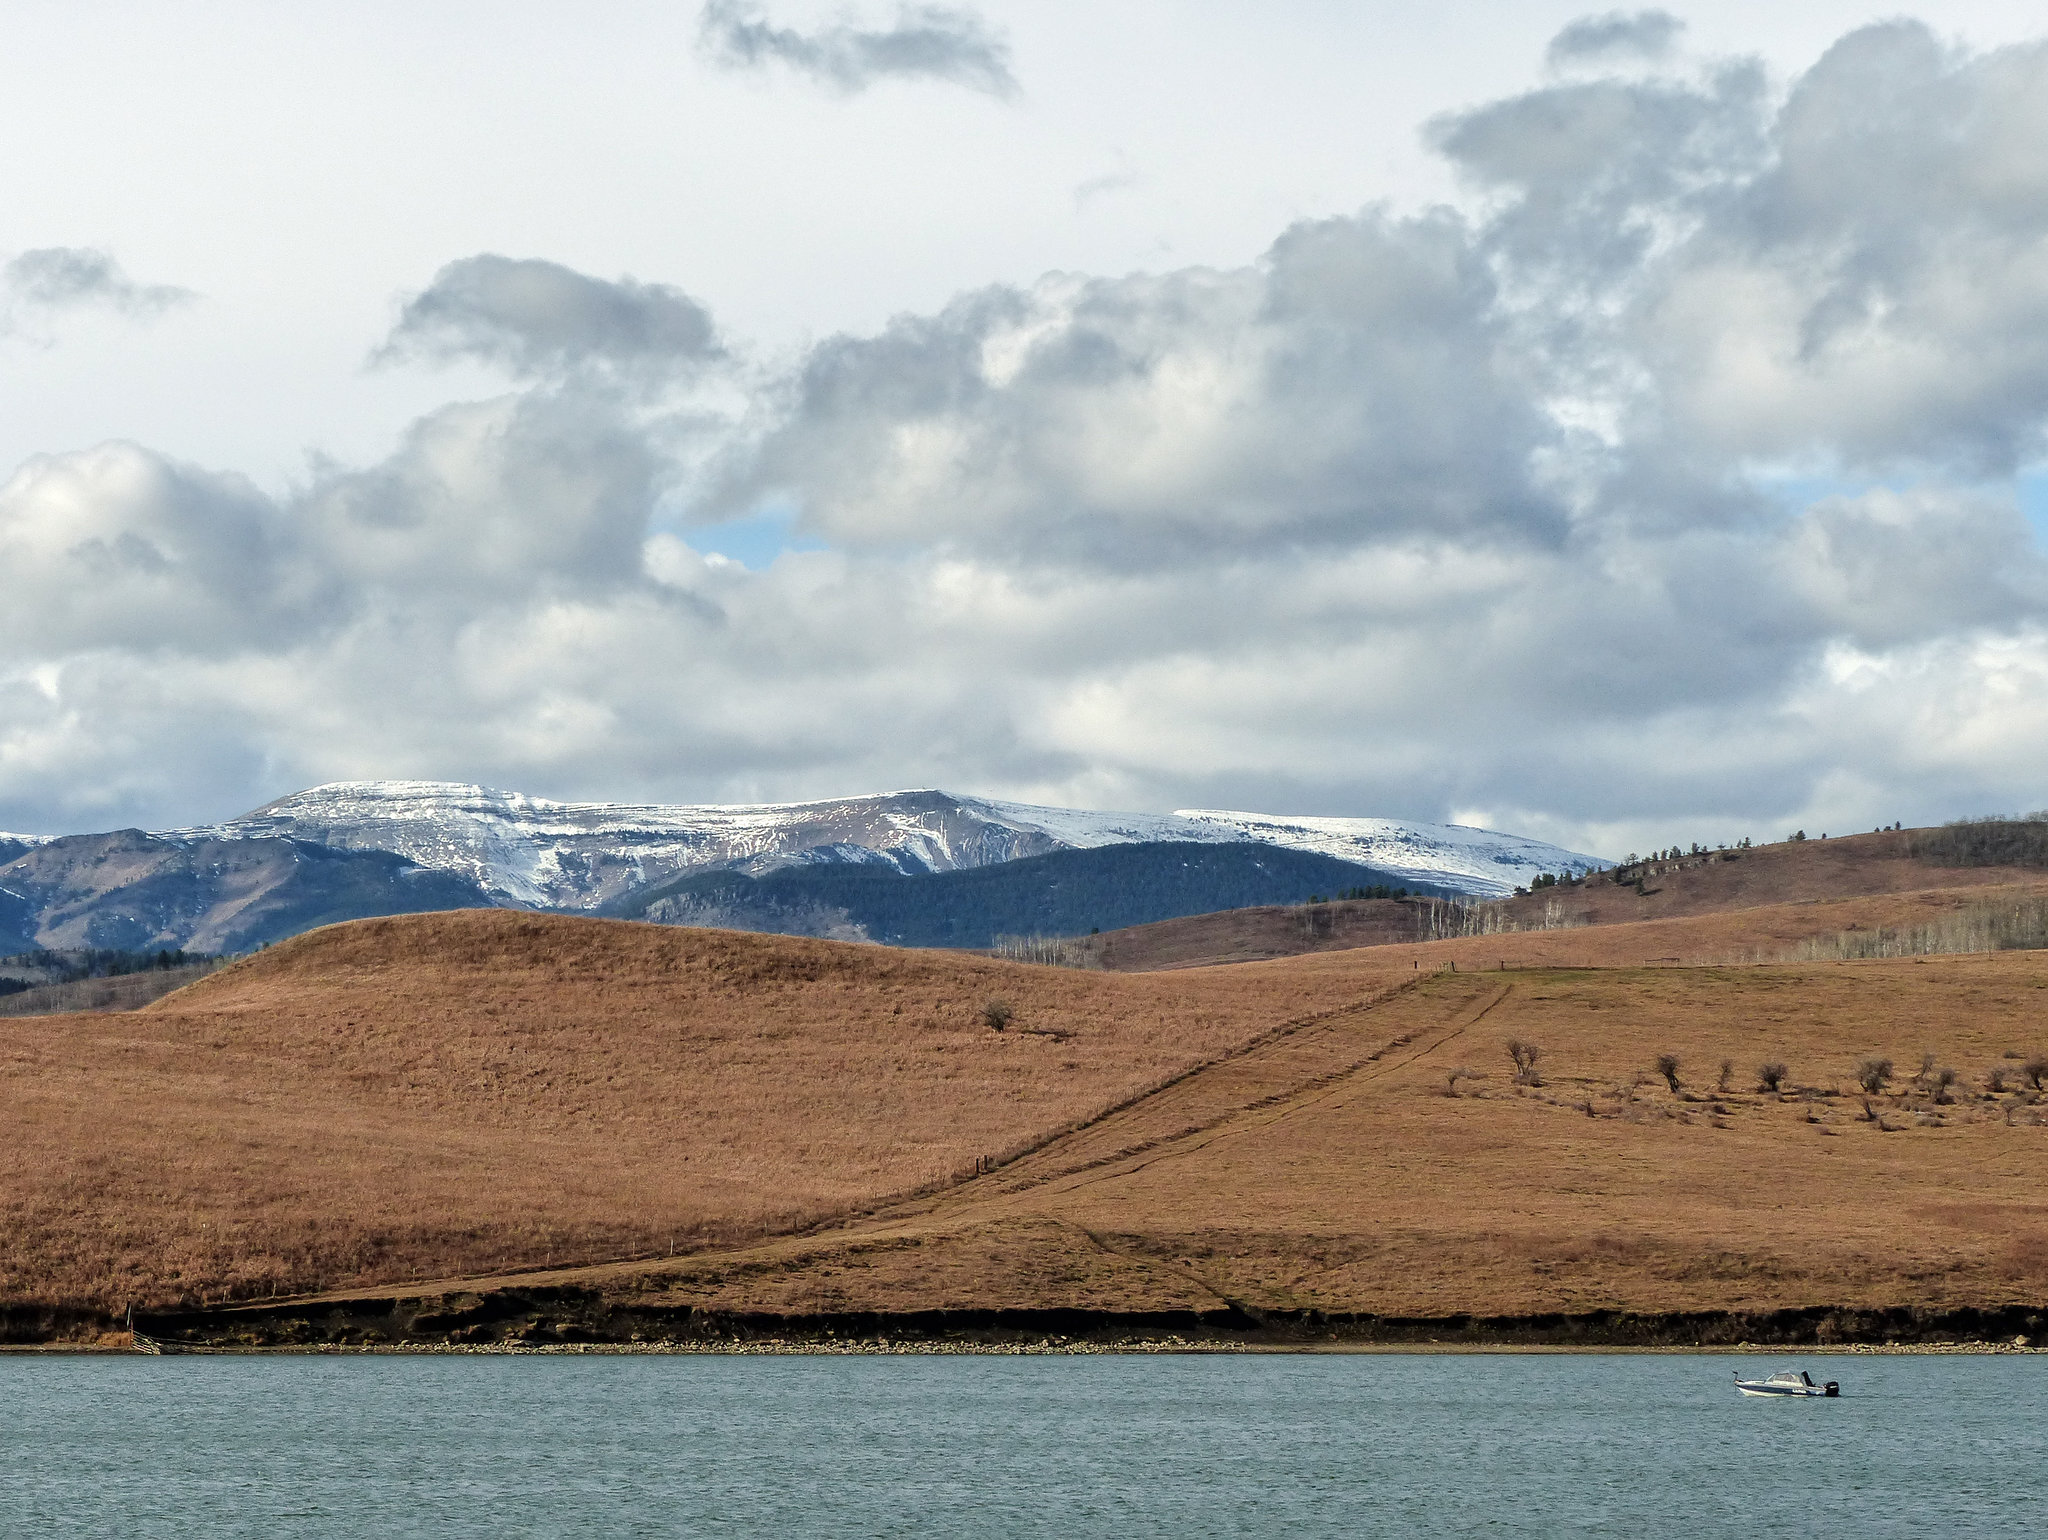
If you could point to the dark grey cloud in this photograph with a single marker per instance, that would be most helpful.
(537, 319)
(1613, 37)
(80, 277)
(928, 42)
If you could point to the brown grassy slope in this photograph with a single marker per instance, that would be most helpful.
(1331, 1168)
(1768, 874)
(1252, 935)
(1768, 933)
(1812, 872)
(484, 1089)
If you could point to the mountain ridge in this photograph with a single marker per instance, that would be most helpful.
(536, 852)
(353, 849)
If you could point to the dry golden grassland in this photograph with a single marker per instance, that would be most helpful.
(461, 1092)
(1345, 1167)
(448, 1097)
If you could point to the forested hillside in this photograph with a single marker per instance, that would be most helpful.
(1069, 892)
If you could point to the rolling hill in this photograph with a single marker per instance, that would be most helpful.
(492, 1125)
(1933, 873)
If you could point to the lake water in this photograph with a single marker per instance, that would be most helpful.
(1636, 1445)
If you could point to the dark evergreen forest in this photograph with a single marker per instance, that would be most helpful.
(1069, 892)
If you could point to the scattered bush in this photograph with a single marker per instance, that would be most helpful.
(1944, 1085)
(1727, 1070)
(1873, 1075)
(1771, 1077)
(1452, 1077)
(2036, 1071)
(997, 1013)
(1994, 1080)
(1667, 1066)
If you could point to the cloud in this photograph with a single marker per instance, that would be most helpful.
(537, 319)
(1479, 515)
(1614, 37)
(79, 277)
(1103, 186)
(1345, 391)
(928, 42)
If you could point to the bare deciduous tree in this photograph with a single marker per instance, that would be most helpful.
(1525, 1056)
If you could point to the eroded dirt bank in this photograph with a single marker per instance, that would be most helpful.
(563, 1316)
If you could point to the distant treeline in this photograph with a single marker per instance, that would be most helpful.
(1994, 841)
(2001, 925)
(71, 967)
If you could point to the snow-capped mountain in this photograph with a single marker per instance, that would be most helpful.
(1480, 862)
(566, 855)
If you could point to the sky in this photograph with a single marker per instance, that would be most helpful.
(1618, 427)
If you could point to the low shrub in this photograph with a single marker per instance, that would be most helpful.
(1873, 1075)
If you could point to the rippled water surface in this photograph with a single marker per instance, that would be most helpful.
(1637, 1445)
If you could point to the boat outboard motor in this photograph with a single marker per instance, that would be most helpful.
(1832, 1388)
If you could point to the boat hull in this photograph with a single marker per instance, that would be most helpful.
(1769, 1388)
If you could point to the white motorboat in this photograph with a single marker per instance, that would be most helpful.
(1787, 1382)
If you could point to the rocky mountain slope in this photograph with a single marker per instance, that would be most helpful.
(535, 853)
(140, 891)
(356, 849)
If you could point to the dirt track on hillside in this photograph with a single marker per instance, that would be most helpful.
(1329, 1170)
(427, 1104)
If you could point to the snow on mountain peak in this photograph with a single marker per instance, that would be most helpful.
(538, 853)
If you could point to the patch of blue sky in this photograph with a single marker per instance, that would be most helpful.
(755, 540)
(2032, 486)
(2028, 491)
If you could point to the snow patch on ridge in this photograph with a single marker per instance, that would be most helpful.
(1481, 862)
(536, 853)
